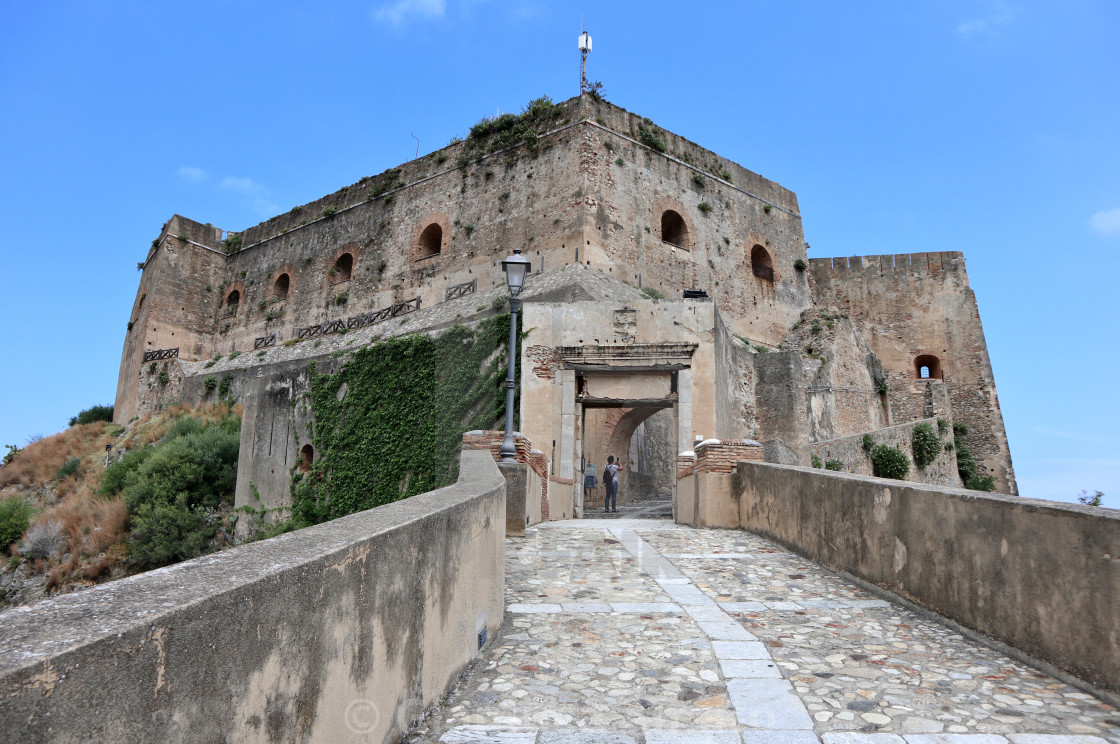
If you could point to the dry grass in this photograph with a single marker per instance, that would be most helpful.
(95, 528)
(39, 461)
(96, 531)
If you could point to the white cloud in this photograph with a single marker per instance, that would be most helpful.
(257, 195)
(1000, 15)
(1106, 222)
(192, 174)
(396, 13)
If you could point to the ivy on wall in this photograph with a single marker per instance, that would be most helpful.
(395, 429)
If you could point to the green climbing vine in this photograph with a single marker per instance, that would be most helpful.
(396, 429)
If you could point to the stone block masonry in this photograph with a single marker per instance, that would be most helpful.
(345, 631)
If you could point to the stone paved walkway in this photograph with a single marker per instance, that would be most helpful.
(632, 631)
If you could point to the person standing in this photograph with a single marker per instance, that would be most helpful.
(610, 480)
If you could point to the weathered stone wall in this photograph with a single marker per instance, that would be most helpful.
(182, 271)
(1040, 576)
(624, 207)
(919, 304)
(850, 451)
(344, 631)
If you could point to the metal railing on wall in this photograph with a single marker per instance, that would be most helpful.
(157, 354)
(462, 290)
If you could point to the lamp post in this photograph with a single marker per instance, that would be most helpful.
(516, 268)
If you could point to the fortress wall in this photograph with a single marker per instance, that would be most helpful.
(915, 304)
(172, 305)
(620, 120)
(524, 202)
(626, 202)
(347, 630)
(1040, 576)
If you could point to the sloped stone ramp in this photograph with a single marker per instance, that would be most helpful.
(646, 632)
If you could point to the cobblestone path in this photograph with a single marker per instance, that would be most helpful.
(632, 631)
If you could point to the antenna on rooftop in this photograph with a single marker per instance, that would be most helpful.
(584, 50)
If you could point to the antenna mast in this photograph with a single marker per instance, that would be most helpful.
(584, 50)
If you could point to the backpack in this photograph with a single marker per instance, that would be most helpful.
(608, 476)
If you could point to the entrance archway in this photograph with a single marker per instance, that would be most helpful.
(643, 439)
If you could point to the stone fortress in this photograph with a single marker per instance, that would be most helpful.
(671, 300)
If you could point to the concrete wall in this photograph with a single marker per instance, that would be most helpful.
(344, 631)
(1040, 576)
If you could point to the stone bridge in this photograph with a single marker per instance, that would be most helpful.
(632, 631)
(424, 620)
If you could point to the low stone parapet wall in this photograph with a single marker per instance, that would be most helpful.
(704, 496)
(346, 631)
(1043, 577)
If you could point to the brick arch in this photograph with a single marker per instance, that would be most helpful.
(618, 429)
(354, 249)
(239, 287)
(416, 249)
(292, 280)
(664, 204)
(938, 367)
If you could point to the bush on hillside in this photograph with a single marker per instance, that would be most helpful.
(175, 489)
(15, 516)
(91, 414)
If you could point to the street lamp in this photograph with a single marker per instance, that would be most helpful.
(517, 268)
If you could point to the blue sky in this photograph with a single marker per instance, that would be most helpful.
(991, 128)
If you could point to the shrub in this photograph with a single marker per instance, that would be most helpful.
(232, 243)
(925, 444)
(981, 483)
(653, 293)
(70, 467)
(816, 461)
(704, 207)
(15, 516)
(13, 451)
(833, 464)
(942, 426)
(341, 298)
(164, 378)
(91, 414)
(43, 540)
(699, 181)
(882, 385)
(329, 211)
(1094, 500)
(174, 490)
(224, 385)
(800, 264)
(233, 355)
(649, 137)
(889, 462)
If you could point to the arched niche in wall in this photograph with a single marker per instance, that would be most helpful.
(306, 458)
(282, 286)
(927, 367)
(430, 238)
(673, 225)
(233, 301)
(343, 268)
(762, 265)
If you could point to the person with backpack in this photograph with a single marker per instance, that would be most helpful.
(610, 480)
